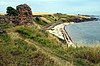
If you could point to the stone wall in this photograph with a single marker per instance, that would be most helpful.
(25, 14)
(24, 17)
(9, 19)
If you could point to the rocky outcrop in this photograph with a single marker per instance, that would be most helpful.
(25, 14)
(9, 19)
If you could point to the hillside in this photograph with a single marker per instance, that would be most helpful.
(31, 45)
(58, 17)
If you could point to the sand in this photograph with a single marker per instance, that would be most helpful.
(56, 30)
(42, 13)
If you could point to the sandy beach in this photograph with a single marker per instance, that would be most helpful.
(56, 30)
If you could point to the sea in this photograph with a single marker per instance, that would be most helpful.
(85, 33)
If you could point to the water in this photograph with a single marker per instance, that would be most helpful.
(87, 33)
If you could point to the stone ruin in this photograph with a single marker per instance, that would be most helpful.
(25, 14)
(24, 17)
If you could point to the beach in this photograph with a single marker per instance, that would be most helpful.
(56, 30)
(59, 31)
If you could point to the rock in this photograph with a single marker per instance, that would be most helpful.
(25, 14)
(2, 24)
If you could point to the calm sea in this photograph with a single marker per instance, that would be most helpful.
(87, 33)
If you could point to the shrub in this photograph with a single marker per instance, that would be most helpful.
(11, 11)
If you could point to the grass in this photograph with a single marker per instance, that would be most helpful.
(15, 52)
(40, 22)
(44, 49)
(20, 53)
(91, 54)
(79, 56)
(51, 18)
(18, 50)
(36, 35)
(4, 37)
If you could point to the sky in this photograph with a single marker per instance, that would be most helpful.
(88, 7)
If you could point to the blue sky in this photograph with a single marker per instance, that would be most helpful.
(59, 6)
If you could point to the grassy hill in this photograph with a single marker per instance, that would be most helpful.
(47, 19)
(31, 45)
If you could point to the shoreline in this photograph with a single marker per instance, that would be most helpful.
(59, 31)
(56, 30)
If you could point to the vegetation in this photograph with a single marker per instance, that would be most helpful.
(40, 21)
(79, 56)
(28, 45)
(18, 53)
(11, 11)
(51, 18)
(46, 20)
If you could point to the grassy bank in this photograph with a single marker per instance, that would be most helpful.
(28, 45)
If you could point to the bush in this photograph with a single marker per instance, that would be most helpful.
(11, 11)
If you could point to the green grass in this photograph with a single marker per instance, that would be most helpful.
(37, 35)
(18, 52)
(90, 54)
(12, 52)
(4, 37)
(50, 18)
(15, 52)
(79, 56)
(40, 22)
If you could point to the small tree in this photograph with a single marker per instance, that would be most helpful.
(11, 11)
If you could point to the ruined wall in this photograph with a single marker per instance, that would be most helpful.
(24, 17)
(25, 14)
(9, 19)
